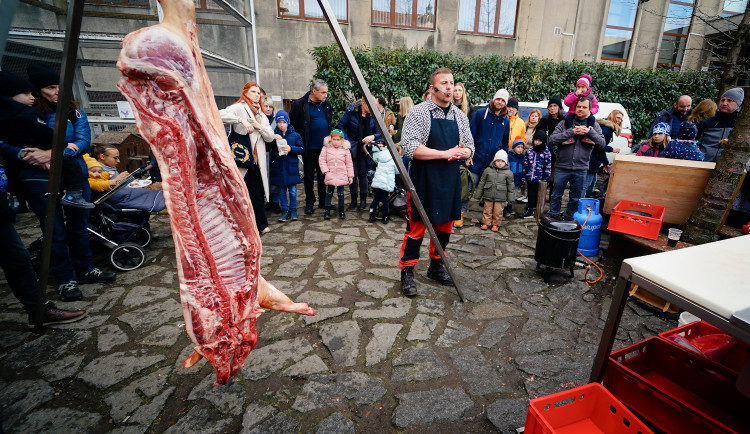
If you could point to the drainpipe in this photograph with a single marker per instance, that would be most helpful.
(255, 43)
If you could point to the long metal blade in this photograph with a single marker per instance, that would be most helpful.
(349, 57)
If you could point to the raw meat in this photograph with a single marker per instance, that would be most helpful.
(216, 241)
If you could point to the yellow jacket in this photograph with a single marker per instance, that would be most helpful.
(517, 130)
(97, 184)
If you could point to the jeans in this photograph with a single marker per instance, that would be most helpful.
(382, 197)
(475, 178)
(588, 186)
(292, 202)
(329, 195)
(71, 252)
(360, 177)
(16, 263)
(254, 184)
(576, 179)
(311, 169)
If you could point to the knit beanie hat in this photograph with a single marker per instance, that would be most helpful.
(502, 94)
(42, 75)
(12, 85)
(500, 155)
(337, 132)
(585, 79)
(736, 94)
(688, 131)
(90, 162)
(518, 141)
(513, 102)
(540, 135)
(662, 128)
(555, 100)
(281, 115)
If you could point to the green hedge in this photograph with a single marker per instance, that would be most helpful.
(396, 72)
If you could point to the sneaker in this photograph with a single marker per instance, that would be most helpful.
(494, 229)
(483, 227)
(265, 230)
(284, 215)
(587, 141)
(53, 315)
(69, 291)
(523, 199)
(74, 198)
(528, 213)
(96, 275)
(570, 141)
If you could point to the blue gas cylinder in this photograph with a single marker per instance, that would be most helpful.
(588, 244)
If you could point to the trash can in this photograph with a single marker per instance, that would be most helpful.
(556, 244)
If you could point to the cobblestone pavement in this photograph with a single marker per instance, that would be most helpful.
(369, 361)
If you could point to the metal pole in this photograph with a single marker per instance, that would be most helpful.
(7, 11)
(349, 57)
(70, 49)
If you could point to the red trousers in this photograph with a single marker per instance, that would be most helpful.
(413, 239)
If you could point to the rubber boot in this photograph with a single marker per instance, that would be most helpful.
(437, 272)
(284, 215)
(342, 214)
(408, 285)
(363, 202)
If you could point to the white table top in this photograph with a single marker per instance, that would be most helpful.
(715, 276)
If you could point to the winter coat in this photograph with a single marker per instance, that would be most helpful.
(537, 165)
(490, 134)
(336, 163)
(572, 99)
(350, 125)
(21, 127)
(515, 161)
(712, 130)
(496, 185)
(517, 130)
(385, 173)
(98, 184)
(599, 156)
(575, 156)
(470, 112)
(549, 124)
(671, 117)
(299, 118)
(233, 115)
(683, 150)
(285, 168)
(399, 125)
(645, 149)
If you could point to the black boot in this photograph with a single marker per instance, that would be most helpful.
(385, 219)
(437, 272)
(353, 205)
(372, 216)
(327, 214)
(362, 203)
(408, 285)
(342, 214)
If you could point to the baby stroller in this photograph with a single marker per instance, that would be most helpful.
(125, 232)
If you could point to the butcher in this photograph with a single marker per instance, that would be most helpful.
(435, 136)
(216, 240)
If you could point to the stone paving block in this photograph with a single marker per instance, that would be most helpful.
(301, 251)
(227, 398)
(507, 263)
(152, 316)
(421, 328)
(430, 306)
(271, 250)
(341, 239)
(141, 295)
(324, 314)
(44, 349)
(444, 404)
(336, 423)
(164, 336)
(110, 336)
(109, 370)
(126, 279)
(347, 251)
(538, 336)
(384, 255)
(277, 238)
(289, 287)
(51, 419)
(392, 273)
(62, 368)
(322, 391)
(391, 308)
(315, 237)
(146, 414)
(255, 413)
(338, 284)
(107, 299)
(293, 267)
(480, 377)
(198, 419)
(279, 423)
(508, 414)
(274, 325)
(383, 337)
(526, 283)
(493, 333)
(317, 298)
(453, 334)
(342, 340)
(418, 364)
(308, 366)
(373, 232)
(265, 360)
(475, 261)
(494, 310)
(87, 323)
(342, 267)
(513, 249)
(21, 397)
(375, 288)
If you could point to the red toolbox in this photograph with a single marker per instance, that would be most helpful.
(586, 409)
(677, 390)
(734, 359)
(639, 219)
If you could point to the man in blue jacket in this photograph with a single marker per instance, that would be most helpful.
(311, 116)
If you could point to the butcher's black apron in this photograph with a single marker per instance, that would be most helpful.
(438, 182)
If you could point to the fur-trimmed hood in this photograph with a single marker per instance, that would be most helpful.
(616, 129)
(327, 142)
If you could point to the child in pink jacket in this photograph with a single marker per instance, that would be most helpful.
(583, 91)
(336, 164)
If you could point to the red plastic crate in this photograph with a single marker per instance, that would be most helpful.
(735, 357)
(677, 390)
(640, 226)
(583, 410)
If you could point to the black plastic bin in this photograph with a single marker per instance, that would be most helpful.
(556, 244)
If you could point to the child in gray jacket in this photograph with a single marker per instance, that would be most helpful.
(495, 187)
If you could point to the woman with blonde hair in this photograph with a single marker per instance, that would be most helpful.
(404, 105)
(531, 124)
(250, 132)
(704, 110)
(462, 101)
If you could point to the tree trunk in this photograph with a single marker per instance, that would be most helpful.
(731, 70)
(716, 200)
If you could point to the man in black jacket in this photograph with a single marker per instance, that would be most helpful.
(712, 130)
(311, 116)
(674, 116)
